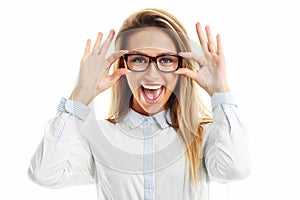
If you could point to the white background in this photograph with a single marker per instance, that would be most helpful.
(41, 44)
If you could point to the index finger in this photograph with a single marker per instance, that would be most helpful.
(187, 72)
(193, 56)
(113, 57)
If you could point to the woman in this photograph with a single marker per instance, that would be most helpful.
(159, 141)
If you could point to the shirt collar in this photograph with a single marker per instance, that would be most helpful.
(134, 119)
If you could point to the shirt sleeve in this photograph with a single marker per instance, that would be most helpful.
(226, 151)
(63, 157)
(75, 108)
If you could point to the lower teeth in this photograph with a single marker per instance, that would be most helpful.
(152, 94)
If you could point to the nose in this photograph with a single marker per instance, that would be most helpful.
(152, 71)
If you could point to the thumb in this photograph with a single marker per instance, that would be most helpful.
(118, 73)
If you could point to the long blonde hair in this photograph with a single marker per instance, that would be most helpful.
(187, 111)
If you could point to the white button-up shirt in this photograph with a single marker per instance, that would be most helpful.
(140, 157)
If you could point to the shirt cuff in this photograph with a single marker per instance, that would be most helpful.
(75, 108)
(222, 98)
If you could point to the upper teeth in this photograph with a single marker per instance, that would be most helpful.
(152, 87)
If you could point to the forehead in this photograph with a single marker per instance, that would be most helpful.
(150, 39)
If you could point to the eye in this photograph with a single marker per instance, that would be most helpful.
(137, 59)
(167, 59)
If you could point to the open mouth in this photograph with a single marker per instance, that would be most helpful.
(152, 93)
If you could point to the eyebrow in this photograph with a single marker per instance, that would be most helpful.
(138, 52)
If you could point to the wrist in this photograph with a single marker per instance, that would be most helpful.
(223, 89)
(82, 95)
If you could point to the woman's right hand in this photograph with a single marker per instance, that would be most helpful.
(94, 75)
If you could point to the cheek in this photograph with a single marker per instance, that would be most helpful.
(172, 80)
(132, 82)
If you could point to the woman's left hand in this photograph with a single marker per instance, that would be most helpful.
(212, 73)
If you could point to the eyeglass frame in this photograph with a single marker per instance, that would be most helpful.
(125, 58)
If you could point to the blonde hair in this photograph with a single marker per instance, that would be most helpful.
(187, 111)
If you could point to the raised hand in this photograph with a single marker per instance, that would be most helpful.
(212, 73)
(94, 75)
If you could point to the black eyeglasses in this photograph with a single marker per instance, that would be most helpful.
(164, 62)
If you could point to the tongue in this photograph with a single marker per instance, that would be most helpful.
(152, 94)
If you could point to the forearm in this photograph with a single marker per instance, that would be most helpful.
(62, 154)
(227, 149)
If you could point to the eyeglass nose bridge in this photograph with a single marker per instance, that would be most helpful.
(151, 59)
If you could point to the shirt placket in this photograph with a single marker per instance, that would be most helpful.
(148, 160)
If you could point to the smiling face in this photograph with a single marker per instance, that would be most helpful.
(151, 88)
